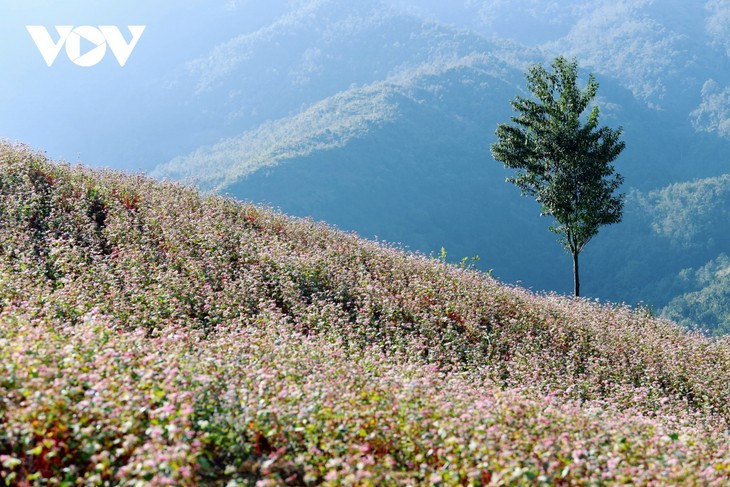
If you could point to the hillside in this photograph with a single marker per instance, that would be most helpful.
(151, 334)
(408, 160)
(388, 133)
(706, 304)
(659, 79)
(409, 169)
(376, 116)
(658, 252)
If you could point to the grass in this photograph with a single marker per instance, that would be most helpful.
(150, 335)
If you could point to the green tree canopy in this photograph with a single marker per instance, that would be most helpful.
(563, 158)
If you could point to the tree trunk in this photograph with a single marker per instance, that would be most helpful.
(576, 276)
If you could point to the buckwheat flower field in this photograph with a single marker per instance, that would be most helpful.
(151, 335)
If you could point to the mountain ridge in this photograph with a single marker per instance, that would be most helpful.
(362, 107)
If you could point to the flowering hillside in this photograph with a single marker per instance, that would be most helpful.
(153, 336)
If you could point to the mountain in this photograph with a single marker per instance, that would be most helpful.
(685, 216)
(667, 237)
(151, 334)
(663, 52)
(377, 116)
(670, 59)
(406, 157)
(315, 50)
(705, 305)
(397, 162)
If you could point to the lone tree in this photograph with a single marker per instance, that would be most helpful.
(563, 160)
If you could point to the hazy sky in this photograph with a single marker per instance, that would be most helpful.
(74, 111)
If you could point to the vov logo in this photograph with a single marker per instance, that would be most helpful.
(98, 37)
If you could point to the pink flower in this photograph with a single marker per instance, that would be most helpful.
(578, 454)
